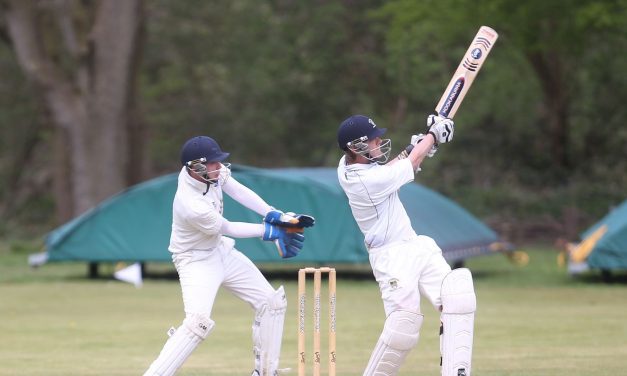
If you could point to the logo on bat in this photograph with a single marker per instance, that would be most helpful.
(452, 97)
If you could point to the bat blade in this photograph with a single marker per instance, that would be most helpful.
(466, 72)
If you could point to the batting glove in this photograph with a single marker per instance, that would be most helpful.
(415, 139)
(441, 128)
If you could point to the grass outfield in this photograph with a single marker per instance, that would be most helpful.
(532, 320)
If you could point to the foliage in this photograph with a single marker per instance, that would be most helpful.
(272, 92)
(21, 129)
(272, 80)
(507, 149)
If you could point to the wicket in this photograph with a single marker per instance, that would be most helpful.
(302, 282)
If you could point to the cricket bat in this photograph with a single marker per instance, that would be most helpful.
(466, 72)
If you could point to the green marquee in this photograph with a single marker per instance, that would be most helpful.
(134, 225)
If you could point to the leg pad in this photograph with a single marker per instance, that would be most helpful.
(400, 334)
(268, 333)
(459, 304)
(182, 342)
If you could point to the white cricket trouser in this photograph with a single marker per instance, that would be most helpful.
(202, 272)
(407, 270)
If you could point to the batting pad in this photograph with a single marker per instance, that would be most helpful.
(268, 332)
(181, 344)
(459, 304)
(400, 334)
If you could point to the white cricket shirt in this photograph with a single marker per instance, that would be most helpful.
(196, 218)
(372, 192)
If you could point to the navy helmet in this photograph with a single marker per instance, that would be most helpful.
(202, 147)
(358, 128)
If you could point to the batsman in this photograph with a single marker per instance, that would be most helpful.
(406, 266)
(205, 257)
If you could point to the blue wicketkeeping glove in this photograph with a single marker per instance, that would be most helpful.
(277, 217)
(289, 241)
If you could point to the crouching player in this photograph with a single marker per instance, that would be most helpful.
(406, 265)
(205, 258)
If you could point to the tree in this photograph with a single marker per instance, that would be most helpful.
(554, 37)
(82, 57)
(270, 80)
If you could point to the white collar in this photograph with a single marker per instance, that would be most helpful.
(191, 182)
(356, 166)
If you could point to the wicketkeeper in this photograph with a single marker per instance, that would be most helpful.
(406, 265)
(205, 258)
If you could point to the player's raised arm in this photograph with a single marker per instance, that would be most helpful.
(440, 130)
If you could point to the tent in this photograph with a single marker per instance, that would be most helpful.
(604, 244)
(134, 225)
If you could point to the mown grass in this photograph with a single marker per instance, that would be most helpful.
(533, 320)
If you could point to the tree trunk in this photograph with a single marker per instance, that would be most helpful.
(549, 68)
(115, 35)
(62, 172)
(90, 99)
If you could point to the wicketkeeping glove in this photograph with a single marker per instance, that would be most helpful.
(290, 220)
(289, 241)
(441, 128)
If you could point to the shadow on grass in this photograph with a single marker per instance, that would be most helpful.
(490, 274)
(603, 277)
(493, 271)
(501, 277)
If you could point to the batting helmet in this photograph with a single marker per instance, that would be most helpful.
(202, 147)
(356, 127)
